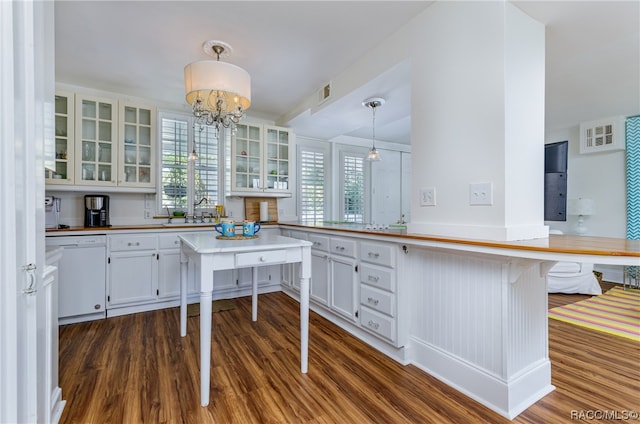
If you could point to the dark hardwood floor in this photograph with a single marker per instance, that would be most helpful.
(137, 369)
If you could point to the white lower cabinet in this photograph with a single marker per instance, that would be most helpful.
(132, 269)
(378, 298)
(343, 287)
(320, 269)
(143, 273)
(355, 278)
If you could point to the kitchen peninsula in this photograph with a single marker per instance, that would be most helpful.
(472, 313)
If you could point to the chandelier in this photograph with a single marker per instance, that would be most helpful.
(373, 103)
(219, 93)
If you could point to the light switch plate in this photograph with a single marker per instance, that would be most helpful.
(428, 196)
(481, 194)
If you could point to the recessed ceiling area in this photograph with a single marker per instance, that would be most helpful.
(292, 49)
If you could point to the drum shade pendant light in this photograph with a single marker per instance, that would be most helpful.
(218, 92)
(373, 103)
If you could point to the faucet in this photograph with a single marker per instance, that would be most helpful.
(196, 204)
(204, 199)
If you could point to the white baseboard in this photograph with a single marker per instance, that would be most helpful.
(520, 393)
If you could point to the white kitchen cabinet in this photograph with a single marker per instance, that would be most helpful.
(334, 281)
(343, 287)
(319, 284)
(136, 146)
(260, 160)
(64, 151)
(320, 268)
(132, 270)
(95, 140)
(359, 276)
(103, 142)
(378, 288)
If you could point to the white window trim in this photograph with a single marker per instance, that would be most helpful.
(222, 162)
(340, 150)
(317, 146)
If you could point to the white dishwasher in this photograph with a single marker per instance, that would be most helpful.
(82, 277)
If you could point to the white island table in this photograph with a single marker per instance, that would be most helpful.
(210, 254)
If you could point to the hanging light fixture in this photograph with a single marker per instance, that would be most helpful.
(193, 156)
(373, 103)
(218, 92)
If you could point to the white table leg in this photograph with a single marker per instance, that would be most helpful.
(305, 275)
(254, 293)
(205, 346)
(183, 296)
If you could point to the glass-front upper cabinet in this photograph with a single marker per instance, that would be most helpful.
(64, 148)
(136, 164)
(260, 156)
(95, 141)
(277, 158)
(246, 151)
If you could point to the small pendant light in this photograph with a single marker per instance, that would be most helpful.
(373, 103)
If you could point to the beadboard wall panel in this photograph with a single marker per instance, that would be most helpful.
(481, 326)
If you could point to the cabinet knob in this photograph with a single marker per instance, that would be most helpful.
(373, 301)
(373, 278)
(97, 306)
(373, 324)
(262, 259)
(373, 255)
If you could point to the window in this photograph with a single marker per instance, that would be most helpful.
(176, 174)
(206, 175)
(174, 163)
(312, 177)
(352, 187)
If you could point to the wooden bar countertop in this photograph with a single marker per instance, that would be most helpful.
(611, 250)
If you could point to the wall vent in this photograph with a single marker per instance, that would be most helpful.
(602, 135)
(324, 93)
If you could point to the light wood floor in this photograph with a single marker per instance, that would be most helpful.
(136, 369)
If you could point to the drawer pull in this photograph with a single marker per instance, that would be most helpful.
(340, 248)
(317, 243)
(373, 324)
(374, 255)
(373, 278)
(373, 301)
(133, 244)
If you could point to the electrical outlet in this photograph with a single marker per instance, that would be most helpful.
(481, 194)
(148, 201)
(428, 196)
(147, 214)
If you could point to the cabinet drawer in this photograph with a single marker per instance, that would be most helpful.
(382, 278)
(382, 325)
(261, 258)
(376, 299)
(298, 235)
(377, 253)
(343, 247)
(132, 242)
(168, 241)
(319, 242)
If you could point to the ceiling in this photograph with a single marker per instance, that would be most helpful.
(292, 48)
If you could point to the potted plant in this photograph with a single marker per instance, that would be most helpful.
(175, 183)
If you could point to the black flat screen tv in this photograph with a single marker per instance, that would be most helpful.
(555, 181)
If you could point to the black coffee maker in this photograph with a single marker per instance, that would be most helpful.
(96, 210)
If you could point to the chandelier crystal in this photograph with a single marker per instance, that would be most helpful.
(219, 93)
(373, 103)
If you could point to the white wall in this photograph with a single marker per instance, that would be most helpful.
(599, 176)
(478, 116)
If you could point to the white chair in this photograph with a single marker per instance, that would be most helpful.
(572, 277)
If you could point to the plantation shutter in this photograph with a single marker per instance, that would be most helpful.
(312, 181)
(353, 188)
